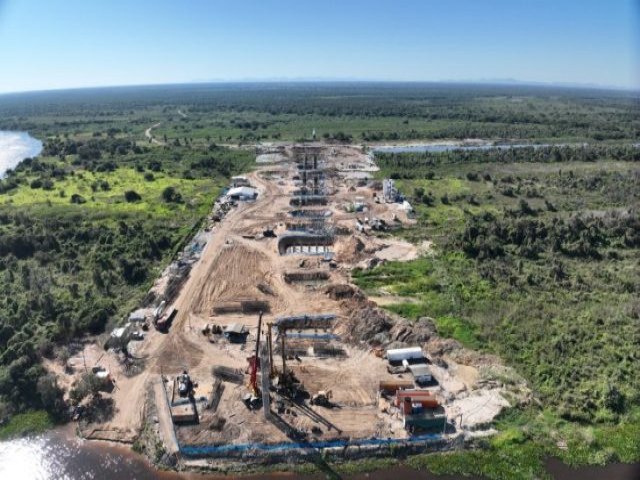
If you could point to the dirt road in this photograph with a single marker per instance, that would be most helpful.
(147, 134)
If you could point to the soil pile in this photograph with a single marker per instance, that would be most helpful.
(352, 250)
(367, 323)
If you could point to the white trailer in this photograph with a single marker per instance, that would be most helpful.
(400, 354)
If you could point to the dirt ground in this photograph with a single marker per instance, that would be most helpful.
(239, 263)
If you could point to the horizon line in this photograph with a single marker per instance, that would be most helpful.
(320, 80)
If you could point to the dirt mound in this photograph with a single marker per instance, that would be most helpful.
(350, 250)
(367, 323)
(438, 347)
(341, 291)
(178, 353)
(236, 274)
(419, 332)
(398, 250)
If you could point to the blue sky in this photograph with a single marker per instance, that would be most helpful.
(46, 44)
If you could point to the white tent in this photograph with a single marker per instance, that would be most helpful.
(399, 354)
(243, 193)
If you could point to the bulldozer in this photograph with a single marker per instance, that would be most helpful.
(322, 398)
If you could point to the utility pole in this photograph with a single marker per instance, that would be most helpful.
(284, 363)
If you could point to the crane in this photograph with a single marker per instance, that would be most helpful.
(253, 377)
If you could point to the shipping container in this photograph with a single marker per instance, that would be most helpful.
(390, 387)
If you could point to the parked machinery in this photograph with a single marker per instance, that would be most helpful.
(185, 385)
(322, 398)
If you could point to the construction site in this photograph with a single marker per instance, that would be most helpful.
(255, 343)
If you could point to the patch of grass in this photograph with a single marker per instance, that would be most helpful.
(197, 194)
(520, 461)
(26, 423)
(462, 330)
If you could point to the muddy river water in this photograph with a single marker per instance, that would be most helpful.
(59, 455)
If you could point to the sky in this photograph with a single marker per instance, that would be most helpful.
(51, 44)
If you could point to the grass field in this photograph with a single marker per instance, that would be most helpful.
(198, 194)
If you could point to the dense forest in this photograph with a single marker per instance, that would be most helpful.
(367, 112)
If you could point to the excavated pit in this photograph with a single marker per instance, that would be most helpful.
(315, 224)
(302, 322)
(306, 278)
(318, 191)
(305, 243)
(301, 200)
(310, 348)
(241, 306)
(306, 213)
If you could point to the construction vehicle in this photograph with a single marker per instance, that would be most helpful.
(211, 330)
(164, 322)
(252, 399)
(322, 398)
(185, 385)
(158, 311)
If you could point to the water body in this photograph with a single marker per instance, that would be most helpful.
(15, 147)
(60, 455)
(446, 147)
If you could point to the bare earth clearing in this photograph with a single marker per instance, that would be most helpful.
(238, 264)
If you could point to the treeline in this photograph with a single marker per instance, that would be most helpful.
(64, 274)
(92, 149)
(564, 311)
(107, 155)
(472, 110)
(420, 164)
(581, 236)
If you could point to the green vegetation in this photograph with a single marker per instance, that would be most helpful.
(537, 260)
(362, 112)
(26, 423)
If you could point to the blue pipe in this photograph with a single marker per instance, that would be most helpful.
(204, 450)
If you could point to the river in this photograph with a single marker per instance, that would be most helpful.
(15, 147)
(448, 146)
(59, 454)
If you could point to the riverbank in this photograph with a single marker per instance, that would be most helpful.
(15, 147)
(61, 454)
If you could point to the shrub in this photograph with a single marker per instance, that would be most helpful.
(132, 196)
(171, 195)
(78, 199)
